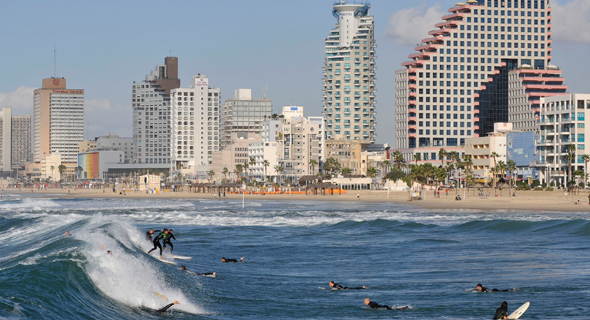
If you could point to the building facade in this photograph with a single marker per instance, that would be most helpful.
(457, 84)
(349, 75)
(233, 154)
(150, 100)
(21, 140)
(243, 115)
(58, 122)
(346, 152)
(6, 139)
(520, 148)
(195, 125)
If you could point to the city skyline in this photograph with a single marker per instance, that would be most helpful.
(105, 51)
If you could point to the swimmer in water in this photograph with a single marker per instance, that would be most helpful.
(223, 259)
(206, 274)
(336, 286)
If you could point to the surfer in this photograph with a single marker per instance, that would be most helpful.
(67, 233)
(167, 307)
(339, 287)
(502, 312)
(206, 274)
(150, 234)
(223, 259)
(167, 240)
(481, 288)
(160, 236)
(375, 305)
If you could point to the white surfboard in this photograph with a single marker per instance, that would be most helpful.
(518, 312)
(181, 257)
(163, 260)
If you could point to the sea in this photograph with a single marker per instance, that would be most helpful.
(427, 259)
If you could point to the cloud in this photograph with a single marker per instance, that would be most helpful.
(571, 21)
(409, 26)
(21, 101)
(97, 105)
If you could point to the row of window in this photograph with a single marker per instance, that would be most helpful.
(448, 133)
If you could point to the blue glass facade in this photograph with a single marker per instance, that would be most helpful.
(520, 148)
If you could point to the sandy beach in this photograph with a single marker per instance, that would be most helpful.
(525, 201)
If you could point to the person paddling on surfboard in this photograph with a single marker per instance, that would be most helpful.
(167, 240)
(336, 286)
(160, 236)
(502, 312)
(375, 305)
(223, 259)
(481, 288)
(206, 274)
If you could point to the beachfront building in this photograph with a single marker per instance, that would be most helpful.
(562, 124)
(236, 152)
(459, 81)
(346, 152)
(349, 75)
(195, 126)
(480, 149)
(150, 100)
(243, 115)
(520, 148)
(86, 145)
(300, 140)
(375, 156)
(15, 140)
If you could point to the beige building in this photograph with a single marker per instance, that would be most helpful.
(87, 145)
(234, 153)
(481, 148)
(242, 114)
(300, 140)
(50, 167)
(346, 152)
(15, 140)
(58, 123)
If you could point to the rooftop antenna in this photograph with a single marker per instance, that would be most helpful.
(54, 61)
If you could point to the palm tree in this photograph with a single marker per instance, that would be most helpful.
(372, 172)
(346, 171)
(313, 163)
(61, 168)
(245, 166)
(494, 155)
(586, 158)
(387, 166)
(279, 170)
(211, 173)
(332, 166)
(512, 168)
(224, 171)
(571, 157)
(442, 153)
(252, 163)
(79, 169)
(238, 171)
(417, 158)
(265, 163)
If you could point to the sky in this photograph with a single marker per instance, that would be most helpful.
(103, 46)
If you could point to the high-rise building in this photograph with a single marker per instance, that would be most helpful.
(58, 122)
(195, 125)
(458, 83)
(151, 114)
(5, 139)
(21, 140)
(349, 75)
(243, 115)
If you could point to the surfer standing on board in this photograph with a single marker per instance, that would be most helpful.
(150, 234)
(502, 312)
(167, 240)
(336, 286)
(160, 236)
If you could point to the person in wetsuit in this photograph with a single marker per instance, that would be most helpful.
(167, 307)
(160, 236)
(481, 288)
(167, 240)
(206, 274)
(502, 312)
(336, 286)
(375, 305)
(223, 259)
(150, 234)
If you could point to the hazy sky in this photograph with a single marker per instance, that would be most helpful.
(103, 46)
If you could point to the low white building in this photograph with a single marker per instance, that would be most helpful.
(481, 148)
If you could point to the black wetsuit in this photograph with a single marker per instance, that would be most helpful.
(157, 244)
(502, 311)
(375, 305)
(206, 274)
(231, 260)
(165, 308)
(167, 241)
(339, 287)
(149, 235)
(484, 289)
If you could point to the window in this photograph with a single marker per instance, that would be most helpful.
(580, 116)
(580, 137)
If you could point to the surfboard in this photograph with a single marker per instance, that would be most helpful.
(181, 257)
(518, 312)
(163, 260)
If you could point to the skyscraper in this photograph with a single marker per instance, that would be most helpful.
(460, 81)
(349, 75)
(195, 125)
(58, 119)
(5, 139)
(151, 114)
(243, 115)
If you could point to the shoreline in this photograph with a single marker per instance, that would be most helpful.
(538, 201)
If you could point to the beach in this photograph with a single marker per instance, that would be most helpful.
(552, 201)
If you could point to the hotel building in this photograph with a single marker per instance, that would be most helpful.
(487, 59)
(150, 100)
(349, 75)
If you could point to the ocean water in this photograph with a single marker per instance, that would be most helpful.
(426, 259)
